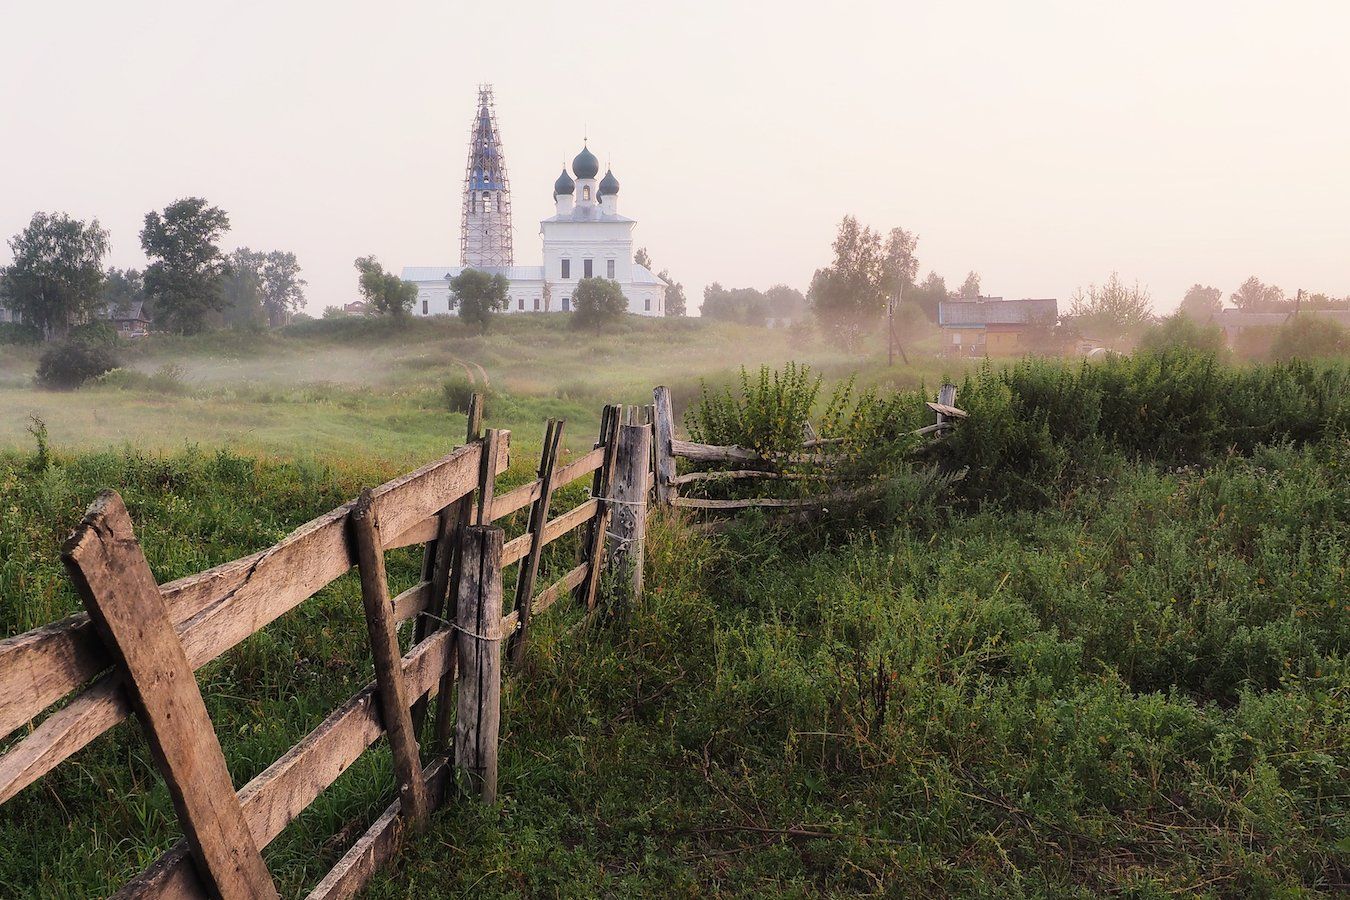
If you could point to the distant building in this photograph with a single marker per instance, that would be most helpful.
(992, 326)
(586, 237)
(356, 308)
(130, 320)
(1254, 331)
(10, 315)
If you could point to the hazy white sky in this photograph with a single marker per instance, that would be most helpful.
(1043, 144)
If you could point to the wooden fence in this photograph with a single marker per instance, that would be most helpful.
(136, 650)
(758, 466)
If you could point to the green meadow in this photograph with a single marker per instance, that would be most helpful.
(1110, 660)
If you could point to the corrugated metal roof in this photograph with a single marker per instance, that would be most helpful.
(996, 311)
(644, 275)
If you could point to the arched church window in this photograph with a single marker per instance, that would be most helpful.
(586, 192)
(486, 198)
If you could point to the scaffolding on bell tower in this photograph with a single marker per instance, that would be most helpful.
(485, 223)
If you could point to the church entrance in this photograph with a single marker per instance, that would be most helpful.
(567, 304)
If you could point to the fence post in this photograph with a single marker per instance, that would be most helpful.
(663, 427)
(393, 692)
(479, 620)
(946, 397)
(628, 525)
(601, 487)
(110, 572)
(439, 559)
(529, 567)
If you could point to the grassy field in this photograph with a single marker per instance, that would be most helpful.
(1111, 662)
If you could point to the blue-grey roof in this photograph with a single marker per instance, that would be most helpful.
(441, 273)
(996, 311)
(585, 165)
(609, 184)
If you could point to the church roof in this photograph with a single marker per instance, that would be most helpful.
(609, 184)
(439, 273)
(643, 275)
(585, 165)
(588, 214)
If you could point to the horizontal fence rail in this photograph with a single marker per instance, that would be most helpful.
(91, 664)
(813, 451)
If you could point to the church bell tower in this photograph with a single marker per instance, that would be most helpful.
(485, 224)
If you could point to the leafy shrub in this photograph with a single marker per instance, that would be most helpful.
(458, 391)
(167, 379)
(96, 334)
(1310, 337)
(70, 364)
(1182, 332)
(19, 333)
(768, 416)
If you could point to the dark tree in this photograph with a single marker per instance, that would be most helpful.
(241, 286)
(745, 306)
(849, 295)
(1201, 302)
(901, 266)
(479, 296)
(122, 289)
(785, 304)
(1254, 296)
(642, 258)
(282, 289)
(597, 302)
(928, 295)
(676, 304)
(184, 280)
(57, 272)
(970, 288)
(384, 292)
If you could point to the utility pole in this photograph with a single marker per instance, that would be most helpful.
(891, 343)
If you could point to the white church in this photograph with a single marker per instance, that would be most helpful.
(585, 237)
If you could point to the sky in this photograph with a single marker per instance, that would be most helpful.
(1041, 144)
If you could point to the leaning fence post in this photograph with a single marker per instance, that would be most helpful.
(383, 633)
(110, 572)
(601, 488)
(628, 523)
(479, 620)
(663, 426)
(529, 567)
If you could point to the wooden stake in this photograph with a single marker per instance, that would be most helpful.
(383, 632)
(946, 397)
(529, 567)
(114, 581)
(628, 528)
(663, 425)
(600, 490)
(479, 621)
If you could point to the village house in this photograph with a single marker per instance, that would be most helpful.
(130, 320)
(1253, 332)
(992, 326)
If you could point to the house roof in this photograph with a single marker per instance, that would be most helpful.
(132, 312)
(644, 275)
(996, 311)
(1242, 318)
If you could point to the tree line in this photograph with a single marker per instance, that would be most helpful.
(58, 280)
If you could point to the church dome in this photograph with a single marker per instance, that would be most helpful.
(609, 184)
(585, 165)
(564, 184)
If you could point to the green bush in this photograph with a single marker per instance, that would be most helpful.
(96, 334)
(1310, 337)
(167, 379)
(1181, 332)
(70, 364)
(19, 333)
(457, 391)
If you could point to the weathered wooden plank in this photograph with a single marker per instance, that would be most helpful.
(515, 500)
(479, 622)
(383, 633)
(600, 491)
(487, 485)
(529, 568)
(824, 500)
(411, 602)
(948, 411)
(43, 665)
(628, 529)
(114, 581)
(377, 845)
(274, 798)
(712, 452)
(62, 656)
(516, 548)
(582, 465)
(733, 474)
(663, 434)
(549, 595)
